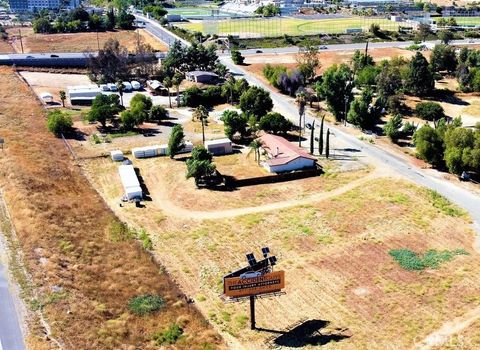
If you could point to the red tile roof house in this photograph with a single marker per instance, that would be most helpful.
(284, 156)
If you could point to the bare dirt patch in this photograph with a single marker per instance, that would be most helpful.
(79, 42)
(335, 253)
(83, 278)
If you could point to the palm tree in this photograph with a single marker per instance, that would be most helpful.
(176, 81)
(201, 113)
(167, 82)
(327, 148)
(255, 146)
(120, 88)
(320, 138)
(302, 101)
(63, 97)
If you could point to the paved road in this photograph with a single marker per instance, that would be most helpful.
(11, 337)
(453, 192)
(360, 46)
(159, 32)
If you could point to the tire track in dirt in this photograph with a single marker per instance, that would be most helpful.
(169, 208)
(449, 328)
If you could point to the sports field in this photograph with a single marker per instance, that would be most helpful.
(469, 21)
(246, 28)
(191, 11)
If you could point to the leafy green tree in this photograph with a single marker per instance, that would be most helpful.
(393, 126)
(59, 122)
(256, 101)
(110, 64)
(63, 97)
(200, 165)
(234, 123)
(366, 76)
(42, 25)
(389, 81)
(176, 142)
(275, 123)
(462, 148)
(430, 111)
(419, 81)
(360, 113)
(140, 106)
(361, 60)
(125, 20)
(158, 113)
(308, 60)
(443, 58)
(128, 120)
(111, 20)
(104, 108)
(445, 36)
(336, 88)
(429, 145)
(320, 137)
(237, 57)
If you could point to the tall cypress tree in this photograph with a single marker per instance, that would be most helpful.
(327, 148)
(320, 138)
(312, 137)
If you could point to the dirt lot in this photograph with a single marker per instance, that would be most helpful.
(328, 58)
(83, 277)
(334, 252)
(78, 42)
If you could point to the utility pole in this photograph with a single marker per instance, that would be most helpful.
(366, 53)
(21, 40)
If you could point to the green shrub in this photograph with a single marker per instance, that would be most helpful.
(119, 232)
(429, 111)
(410, 260)
(59, 122)
(145, 304)
(444, 205)
(145, 239)
(169, 336)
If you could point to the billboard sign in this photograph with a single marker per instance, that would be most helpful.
(236, 287)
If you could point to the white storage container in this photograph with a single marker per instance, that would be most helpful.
(130, 182)
(117, 156)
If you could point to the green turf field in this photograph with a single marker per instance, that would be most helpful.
(246, 28)
(468, 21)
(191, 11)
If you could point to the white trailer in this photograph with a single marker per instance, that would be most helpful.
(219, 147)
(83, 94)
(130, 183)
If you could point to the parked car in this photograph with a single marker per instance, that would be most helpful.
(112, 87)
(104, 87)
(127, 86)
(136, 85)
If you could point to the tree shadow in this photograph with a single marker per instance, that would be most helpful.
(307, 333)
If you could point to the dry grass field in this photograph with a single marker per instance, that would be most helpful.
(84, 275)
(335, 253)
(78, 42)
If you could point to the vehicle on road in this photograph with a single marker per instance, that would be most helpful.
(323, 47)
(112, 87)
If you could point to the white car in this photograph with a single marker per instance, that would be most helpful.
(127, 86)
(250, 274)
(112, 87)
(104, 87)
(136, 85)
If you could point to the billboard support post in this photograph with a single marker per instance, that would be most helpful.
(252, 312)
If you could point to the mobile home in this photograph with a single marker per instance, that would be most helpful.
(219, 147)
